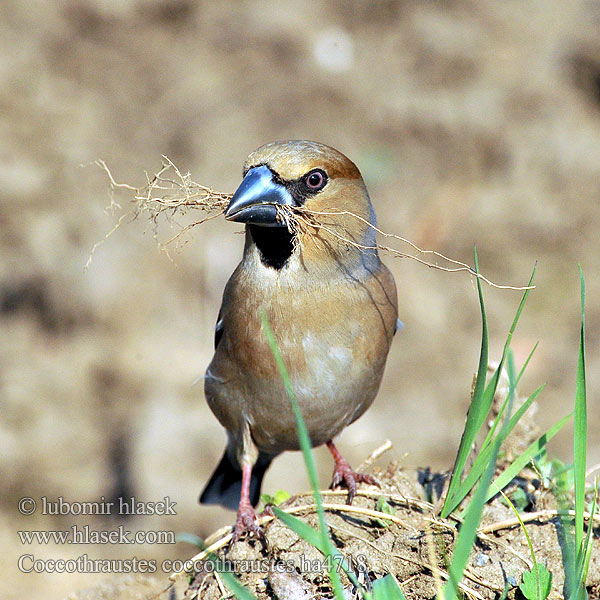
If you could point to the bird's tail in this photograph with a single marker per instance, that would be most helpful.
(225, 485)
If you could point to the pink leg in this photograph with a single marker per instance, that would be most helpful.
(246, 517)
(342, 472)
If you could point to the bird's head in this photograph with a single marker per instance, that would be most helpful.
(320, 183)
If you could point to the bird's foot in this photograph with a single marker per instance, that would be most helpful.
(343, 473)
(246, 522)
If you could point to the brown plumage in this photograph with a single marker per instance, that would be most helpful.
(332, 307)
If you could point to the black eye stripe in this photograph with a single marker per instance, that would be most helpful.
(299, 188)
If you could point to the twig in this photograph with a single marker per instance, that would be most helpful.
(222, 537)
(541, 515)
(385, 447)
(224, 593)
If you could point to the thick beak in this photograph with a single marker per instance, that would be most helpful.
(256, 200)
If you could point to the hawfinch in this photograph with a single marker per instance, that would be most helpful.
(330, 302)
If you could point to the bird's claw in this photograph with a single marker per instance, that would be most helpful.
(246, 522)
(343, 473)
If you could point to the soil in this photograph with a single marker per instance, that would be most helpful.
(415, 547)
(405, 547)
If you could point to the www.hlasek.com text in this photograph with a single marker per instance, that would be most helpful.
(86, 535)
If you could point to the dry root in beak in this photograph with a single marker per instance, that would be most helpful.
(170, 194)
(167, 194)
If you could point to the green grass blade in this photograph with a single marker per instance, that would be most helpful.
(539, 588)
(505, 591)
(475, 412)
(580, 429)
(519, 463)
(313, 537)
(508, 401)
(577, 547)
(484, 456)
(493, 384)
(387, 588)
(472, 517)
(512, 390)
(566, 540)
(481, 403)
(526, 364)
(231, 581)
(306, 448)
(304, 530)
(524, 407)
(235, 587)
(468, 530)
(490, 434)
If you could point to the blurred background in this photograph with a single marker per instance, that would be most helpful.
(474, 122)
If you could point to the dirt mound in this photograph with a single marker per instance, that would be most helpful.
(412, 543)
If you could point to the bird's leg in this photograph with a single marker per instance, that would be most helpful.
(246, 516)
(342, 472)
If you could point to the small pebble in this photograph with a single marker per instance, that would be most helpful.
(481, 559)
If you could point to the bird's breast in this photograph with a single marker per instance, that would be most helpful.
(333, 337)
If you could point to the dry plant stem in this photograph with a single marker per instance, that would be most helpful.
(541, 515)
(432, 560)
(222, 536)
(224, 593)
(385, 447)
(100, 242)
(190, 226)
(407, 581)
(422, 505)
(436, 571)
(439, 574)
(185, 193)
(484, 537)
(222, 541)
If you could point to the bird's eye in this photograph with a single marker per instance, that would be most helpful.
(315, 180)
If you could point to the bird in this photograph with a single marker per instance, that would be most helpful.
(330, 302)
